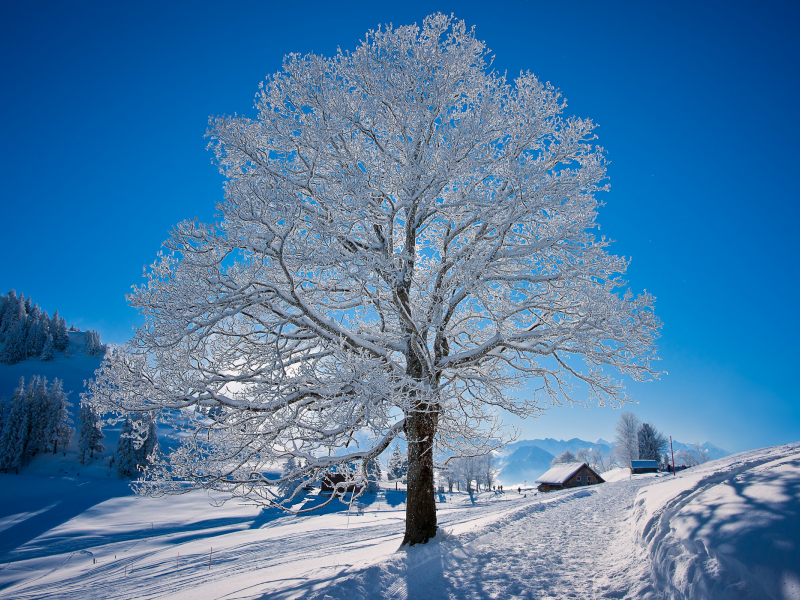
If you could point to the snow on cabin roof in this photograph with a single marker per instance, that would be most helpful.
(644, 464)
(560, 473)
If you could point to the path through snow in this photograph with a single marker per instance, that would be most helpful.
(559, 545)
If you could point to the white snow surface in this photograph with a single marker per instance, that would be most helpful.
(727, 529)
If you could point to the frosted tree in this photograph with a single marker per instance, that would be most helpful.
(89, 436)
(599, 460)
(92, 344)
(406, 238)
(627, 438)
(565, 457)
(58, 327)
(487, 467)
(373, 476)
(398, 465)
(698, 449)
(63, 421)
(686, 458)
(290, 487)
(48, 349)
(13, 350)
(652, 443)
(125, 454)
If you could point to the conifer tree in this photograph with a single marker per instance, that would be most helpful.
(398, 465)
(14, 347)
(374, 474)
(49, 347)
(62, 431)
(126, 461)
(60, 336)
(90, 435)
(40, 414)
(149, 445)
(288, 488)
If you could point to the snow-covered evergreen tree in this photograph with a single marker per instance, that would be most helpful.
(39, 416)
(48, 349)
(126, 456)
(61, 337)
(63, 421)
(92, 344)
(14, 348)
(374, 475)
(652, 443)
(289, 488)
(398, 465)
(90, 435)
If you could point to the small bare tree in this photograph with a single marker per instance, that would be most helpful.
(565, 457)
(701, 453)
(627, 438)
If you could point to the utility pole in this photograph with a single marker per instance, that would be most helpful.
(673, 456)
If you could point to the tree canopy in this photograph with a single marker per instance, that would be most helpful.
(406, 239)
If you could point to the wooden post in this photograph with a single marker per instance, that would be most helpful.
(673, 456)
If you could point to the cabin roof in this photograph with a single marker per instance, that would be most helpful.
(560, 473)
(644, 464)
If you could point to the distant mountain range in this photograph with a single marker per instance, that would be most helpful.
(529, 459)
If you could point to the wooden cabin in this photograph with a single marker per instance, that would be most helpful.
(568, 475)
(644, 466)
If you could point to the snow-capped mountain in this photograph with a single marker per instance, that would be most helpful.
(526, 463)
(556, 447)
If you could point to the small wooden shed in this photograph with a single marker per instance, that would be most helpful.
(568, 475)
(644, 466)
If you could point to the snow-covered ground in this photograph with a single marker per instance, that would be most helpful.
(728, 529)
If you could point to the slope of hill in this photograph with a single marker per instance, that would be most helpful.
(728, 528)
(73, 371)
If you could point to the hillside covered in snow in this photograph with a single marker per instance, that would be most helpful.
(726, 529)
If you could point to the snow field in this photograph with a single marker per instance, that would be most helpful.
(727, 529)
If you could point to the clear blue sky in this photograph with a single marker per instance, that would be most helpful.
(105, 106)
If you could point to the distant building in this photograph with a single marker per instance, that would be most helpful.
(568, 475)
(644, 466)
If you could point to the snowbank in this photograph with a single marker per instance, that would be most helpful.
(727, 529)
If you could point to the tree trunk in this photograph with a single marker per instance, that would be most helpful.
(420, 500)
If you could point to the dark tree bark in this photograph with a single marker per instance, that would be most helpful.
(421, 501)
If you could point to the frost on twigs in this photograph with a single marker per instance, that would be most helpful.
(406, 237)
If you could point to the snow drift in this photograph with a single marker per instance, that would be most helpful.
(727, 529)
